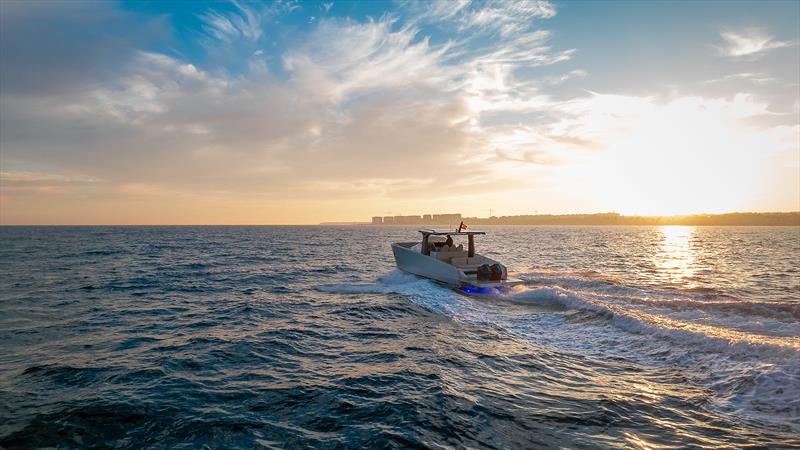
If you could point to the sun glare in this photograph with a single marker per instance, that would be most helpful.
(687, 156)
(675, 256)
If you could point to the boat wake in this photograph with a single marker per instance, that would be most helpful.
(422, 292)
(747, 356)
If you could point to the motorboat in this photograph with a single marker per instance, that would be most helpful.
(437, 258)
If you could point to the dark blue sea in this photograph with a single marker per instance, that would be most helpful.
(308, 337)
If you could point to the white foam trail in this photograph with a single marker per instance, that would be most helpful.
(391, 282)
(751, 375)
(423, 292)
(708, 337)
(542, 296)
(737, 360)
(700, 336)
(702, 306)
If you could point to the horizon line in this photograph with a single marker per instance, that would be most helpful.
(358, 222)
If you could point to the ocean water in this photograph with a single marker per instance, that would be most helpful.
(294, 337)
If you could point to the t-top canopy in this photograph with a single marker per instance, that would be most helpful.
(449, 233)
(426, 247)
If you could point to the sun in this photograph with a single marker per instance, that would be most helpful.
(687, 156)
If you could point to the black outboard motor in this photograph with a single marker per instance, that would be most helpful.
(497, 272)
(484, 272)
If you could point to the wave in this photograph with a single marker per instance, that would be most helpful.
(695, 298)
(388, 283)
(783, 311)
(624, 316)
(750, 374)
(701, 336)
(425, 293)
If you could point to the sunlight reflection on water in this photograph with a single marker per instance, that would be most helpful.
(675, 257)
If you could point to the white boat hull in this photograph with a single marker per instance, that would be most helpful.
(413, 262)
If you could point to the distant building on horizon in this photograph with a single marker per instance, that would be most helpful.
(407, 220)
(425, 219)
(447, 219)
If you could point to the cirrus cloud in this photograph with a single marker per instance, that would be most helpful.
(750, 43)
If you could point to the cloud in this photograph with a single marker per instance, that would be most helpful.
(750, 43)
(344, 58)
(21, 184)
(506, 17)
(537, 157)
(29, 177)
(370, 106)
(758, 78)
(436, 10)
(553, 80)
(503, 17)
(242, 22)
(55, 48)
(368, 111)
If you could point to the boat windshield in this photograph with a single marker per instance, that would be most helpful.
(432, 239)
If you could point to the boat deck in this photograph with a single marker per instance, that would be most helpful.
(449, 264)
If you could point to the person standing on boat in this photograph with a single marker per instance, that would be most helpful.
(449, 241)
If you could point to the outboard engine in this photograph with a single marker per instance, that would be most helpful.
(490, 273)
(484, 272)
(497, 272)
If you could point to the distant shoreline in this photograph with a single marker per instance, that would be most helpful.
(602, 219)
(615, 219)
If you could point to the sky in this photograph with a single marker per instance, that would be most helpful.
(152, 112)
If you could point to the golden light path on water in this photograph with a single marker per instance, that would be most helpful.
(709, 331)
(675, 260)
(675, 257)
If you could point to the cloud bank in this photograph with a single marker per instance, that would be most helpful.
(354, 117)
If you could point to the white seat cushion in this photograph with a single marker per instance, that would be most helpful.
(458, 261)
(443, 256)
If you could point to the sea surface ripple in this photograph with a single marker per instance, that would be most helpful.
(294, 337)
